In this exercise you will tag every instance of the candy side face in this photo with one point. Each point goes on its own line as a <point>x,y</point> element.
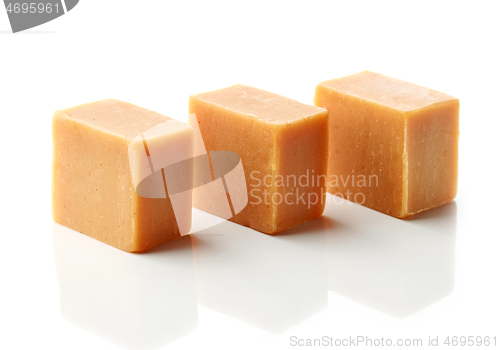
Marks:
<point>302,166</point>
<point>366,151</point>
<point>432,150</point>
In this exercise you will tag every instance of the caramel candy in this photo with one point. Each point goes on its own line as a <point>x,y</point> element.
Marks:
<point>393,145</point>
<point>93,187</point>
<point>280,142</point>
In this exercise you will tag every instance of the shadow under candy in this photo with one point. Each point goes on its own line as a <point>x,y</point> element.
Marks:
<point>398,267</point>
<point>137,301</point>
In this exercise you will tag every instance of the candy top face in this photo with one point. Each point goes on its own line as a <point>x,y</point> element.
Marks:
<point>259,104</point>
<point>116,117</point>
<point>393,93</point>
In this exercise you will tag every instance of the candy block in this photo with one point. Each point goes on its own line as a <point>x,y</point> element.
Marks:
<point>393,144</point>
<point>283,146</point>
<point>107,184</point>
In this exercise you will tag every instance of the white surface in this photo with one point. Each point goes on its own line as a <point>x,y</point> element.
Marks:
<point>353,272</point>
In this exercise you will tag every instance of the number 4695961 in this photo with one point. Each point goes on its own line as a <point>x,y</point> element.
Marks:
<point>470,341</point>
<point>32,7</point>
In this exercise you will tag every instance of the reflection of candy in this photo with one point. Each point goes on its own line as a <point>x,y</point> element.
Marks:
<point>25,15</point>
<point>134,301</point>
<point>161,170</point>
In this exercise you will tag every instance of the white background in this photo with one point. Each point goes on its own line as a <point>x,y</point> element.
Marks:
<point>355,272</point>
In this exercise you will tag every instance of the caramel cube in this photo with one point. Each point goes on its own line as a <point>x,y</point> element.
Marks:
<point>393,144</point>
<point>280,142</point>
<point>93,192</point>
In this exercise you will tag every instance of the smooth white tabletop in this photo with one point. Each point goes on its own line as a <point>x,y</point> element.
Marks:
<point>353,272</point>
